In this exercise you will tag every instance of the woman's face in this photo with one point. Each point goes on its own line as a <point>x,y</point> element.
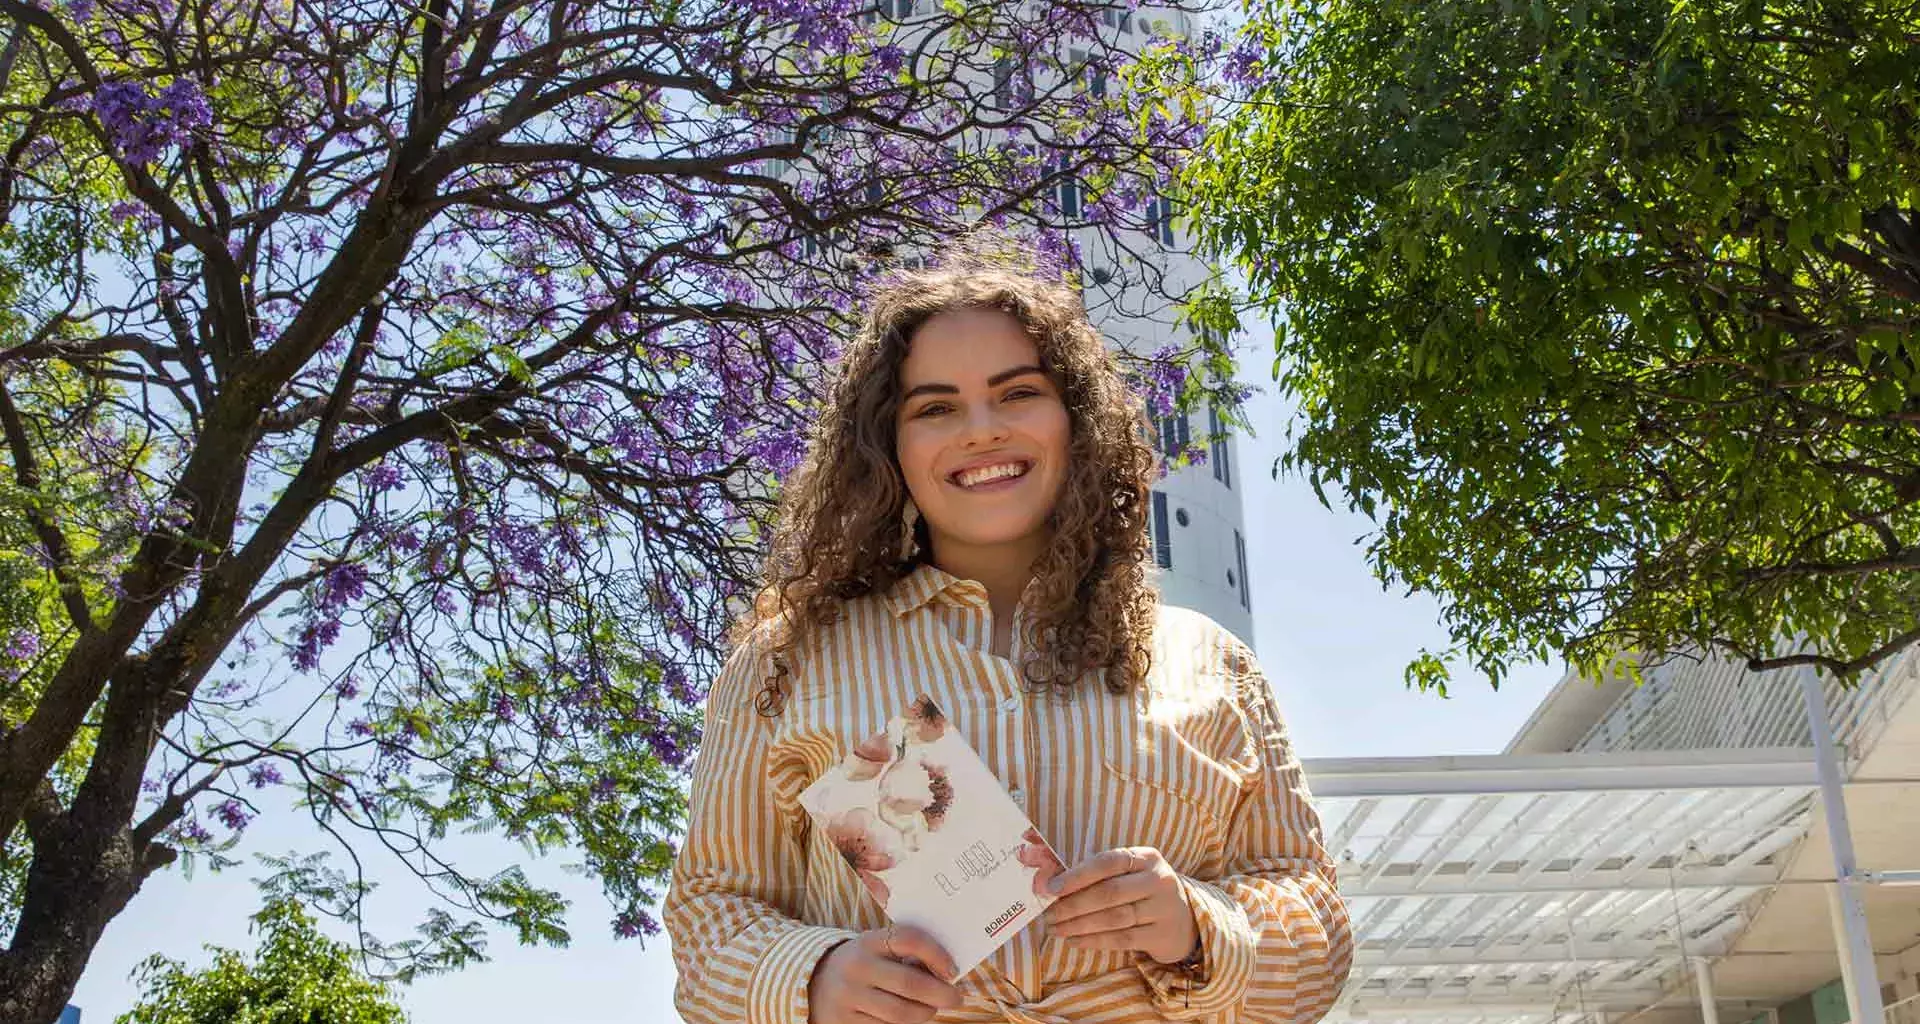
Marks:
<point>982,431</point>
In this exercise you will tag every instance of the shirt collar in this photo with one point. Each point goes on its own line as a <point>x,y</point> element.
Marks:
<point>923,584</point>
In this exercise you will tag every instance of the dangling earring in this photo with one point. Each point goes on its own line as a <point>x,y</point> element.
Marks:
<point>909,519</point>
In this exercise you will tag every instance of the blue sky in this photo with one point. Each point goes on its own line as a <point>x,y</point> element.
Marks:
<point>1330,638</point>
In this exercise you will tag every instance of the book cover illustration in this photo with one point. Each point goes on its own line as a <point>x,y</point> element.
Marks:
<point>934,836</point>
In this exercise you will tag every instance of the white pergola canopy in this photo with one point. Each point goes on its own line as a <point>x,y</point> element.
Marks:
<point>1540,889</point>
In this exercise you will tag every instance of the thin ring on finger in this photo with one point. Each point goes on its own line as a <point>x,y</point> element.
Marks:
<point>891,955</point>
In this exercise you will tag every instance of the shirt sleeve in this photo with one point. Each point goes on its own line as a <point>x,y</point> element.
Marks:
<point>739,950</point>
<point>1275,938</point>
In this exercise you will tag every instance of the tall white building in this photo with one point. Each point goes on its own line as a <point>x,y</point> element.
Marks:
<point>1199,534</point>
<point>1197,525</point>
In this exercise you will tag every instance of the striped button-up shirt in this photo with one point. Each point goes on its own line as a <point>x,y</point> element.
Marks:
<point>1196,764</point>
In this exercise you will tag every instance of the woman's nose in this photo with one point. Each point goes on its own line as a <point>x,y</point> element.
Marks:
<point>984,423</point>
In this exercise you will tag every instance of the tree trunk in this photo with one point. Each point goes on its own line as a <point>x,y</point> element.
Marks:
<point>81,878</point>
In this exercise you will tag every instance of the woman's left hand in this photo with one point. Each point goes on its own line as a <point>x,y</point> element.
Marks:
<point>1125,899</point>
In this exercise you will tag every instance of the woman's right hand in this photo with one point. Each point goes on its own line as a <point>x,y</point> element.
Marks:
<point>888,974</point>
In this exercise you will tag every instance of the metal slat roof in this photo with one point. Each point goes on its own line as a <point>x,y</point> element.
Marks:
<point>1539,888</point>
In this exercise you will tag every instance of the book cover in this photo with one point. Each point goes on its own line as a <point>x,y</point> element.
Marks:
<point>934,836</point>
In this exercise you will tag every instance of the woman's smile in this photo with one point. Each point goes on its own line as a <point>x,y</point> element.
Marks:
<point>990,477</point>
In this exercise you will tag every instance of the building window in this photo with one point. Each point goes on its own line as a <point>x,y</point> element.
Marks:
<point>1174,435</point>
<point>1094,78</point>
<point>1217,450</point>
<point>897,10</point>
<point>1071,208</point>
<point>1162,537</point>
<point>1118,17</point>
<point>1160,214</point>
<point>1240,559</point>
<point>1003,84</point>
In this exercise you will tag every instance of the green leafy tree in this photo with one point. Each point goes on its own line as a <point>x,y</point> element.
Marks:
<point>1604,313</point>
<point>298,976</point>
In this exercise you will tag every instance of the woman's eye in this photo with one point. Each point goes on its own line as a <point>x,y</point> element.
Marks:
<point>1023,393</point>
<point>930,409</point>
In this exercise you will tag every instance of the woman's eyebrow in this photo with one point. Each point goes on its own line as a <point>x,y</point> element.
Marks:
<point>1006,375</point>
<point>993,382</point>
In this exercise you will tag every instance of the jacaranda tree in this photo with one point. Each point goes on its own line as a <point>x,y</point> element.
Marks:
<point>391,394</point>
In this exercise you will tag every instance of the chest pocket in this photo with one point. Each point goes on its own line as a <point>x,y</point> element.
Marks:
<point>1168,794</point>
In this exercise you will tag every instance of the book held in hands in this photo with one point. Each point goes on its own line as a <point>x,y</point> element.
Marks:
<point>934,836</point>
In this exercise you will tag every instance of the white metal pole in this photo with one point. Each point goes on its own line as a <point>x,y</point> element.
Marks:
<point>1850,917</point>
<point>1849,981</point>
<point>1703,978</point>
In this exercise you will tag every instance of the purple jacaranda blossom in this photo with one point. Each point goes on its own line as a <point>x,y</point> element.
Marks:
<point>263,775</point>
<point>889,58</point>
<point>502,707</point>
<point>360,727</point>
<point>142,126</point>
<point>665,744</point>
<point>605,787</point>
<point>23,644</point>
<point>341,586</point>
<point>1165,378</point>
<point>384,477</point>
<point>191,833</point>
<point>129,211</point>
<point>314,638</point>
<point>347,689</point>
<point>82,10</point>
<point>779,450</point>
<point>1242,69</point>
<point>232,814</point>
<point>673,677</point>
<point>524,544</point>
<point>635,922</point>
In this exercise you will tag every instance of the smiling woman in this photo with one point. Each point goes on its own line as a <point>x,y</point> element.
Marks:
<point>969,528</point>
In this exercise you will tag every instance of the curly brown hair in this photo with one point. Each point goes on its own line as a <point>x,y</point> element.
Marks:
<point>838,535</point>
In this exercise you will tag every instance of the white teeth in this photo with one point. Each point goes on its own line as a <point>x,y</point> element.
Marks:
<point>988,474</point>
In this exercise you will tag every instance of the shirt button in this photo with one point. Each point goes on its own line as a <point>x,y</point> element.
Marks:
<point>1010,705</point>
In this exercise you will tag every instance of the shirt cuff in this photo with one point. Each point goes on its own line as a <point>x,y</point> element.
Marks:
<point>1229,947</point>
<point>777,991</point>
